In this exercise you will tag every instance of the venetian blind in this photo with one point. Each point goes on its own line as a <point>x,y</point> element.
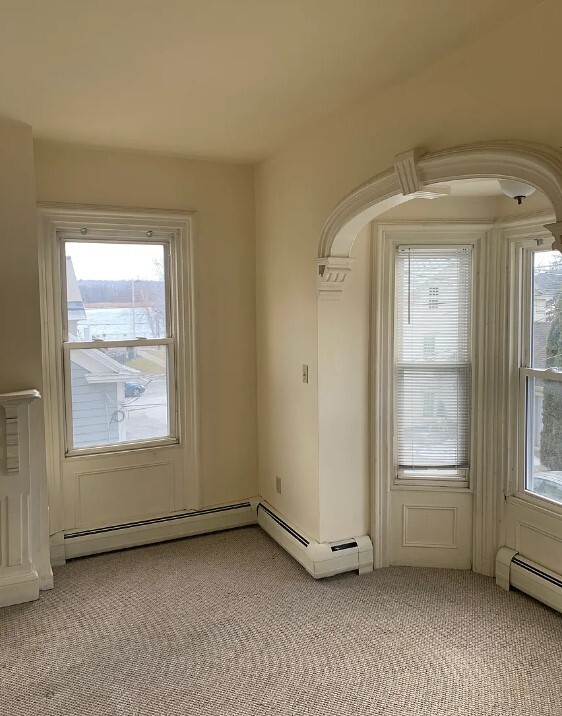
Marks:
<point>433,293</point>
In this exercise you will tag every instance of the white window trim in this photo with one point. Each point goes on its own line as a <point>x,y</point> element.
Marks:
<point>520,292</point>
<point>123,224</point>
<point>173,330</point>
<point>387,237</point>
<point>495,435</point>
<point>459,477</point>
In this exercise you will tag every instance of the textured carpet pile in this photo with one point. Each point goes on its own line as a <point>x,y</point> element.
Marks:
<point>229,624</point>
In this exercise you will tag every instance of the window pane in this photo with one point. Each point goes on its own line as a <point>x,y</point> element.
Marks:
<point>119,395</point>
<point>433,294</point>
<point>544,438</point>
<point>547,310</point>
<point>115,291</point>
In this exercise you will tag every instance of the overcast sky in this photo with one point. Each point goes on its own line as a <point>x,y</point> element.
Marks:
<point>546,258</point>
<point>113,262</point>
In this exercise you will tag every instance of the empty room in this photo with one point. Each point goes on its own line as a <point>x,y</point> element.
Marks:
<point>281,358</point>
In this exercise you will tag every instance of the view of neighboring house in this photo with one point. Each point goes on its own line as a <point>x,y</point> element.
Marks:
<point>98,381</point>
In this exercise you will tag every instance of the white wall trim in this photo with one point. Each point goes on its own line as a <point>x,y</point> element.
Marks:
<point>24,564</point>
<point>535,164</point>
<point>56,217</point>
<point>385,237</point>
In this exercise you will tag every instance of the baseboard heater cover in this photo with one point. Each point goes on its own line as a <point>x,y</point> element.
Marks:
<point>320,559</point>
<point>79,543</point>
<point>516,571</point>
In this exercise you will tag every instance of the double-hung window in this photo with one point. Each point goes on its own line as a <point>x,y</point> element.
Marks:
<point>433,361</point>
<point>118,340</point>
<point>541,374</point>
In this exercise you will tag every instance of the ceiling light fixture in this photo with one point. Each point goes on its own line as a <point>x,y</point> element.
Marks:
<point>516,189</point>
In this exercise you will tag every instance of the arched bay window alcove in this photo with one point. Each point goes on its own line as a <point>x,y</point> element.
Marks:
<point>353,489</point>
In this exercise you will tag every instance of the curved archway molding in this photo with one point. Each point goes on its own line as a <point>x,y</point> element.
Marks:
<point>412,177</point>
<point>353,501</point>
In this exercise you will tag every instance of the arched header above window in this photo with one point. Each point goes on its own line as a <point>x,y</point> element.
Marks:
<point>412,176</point>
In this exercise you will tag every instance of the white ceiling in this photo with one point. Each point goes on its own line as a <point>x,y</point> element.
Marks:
<point>472,187</point>
<point>215,78</point>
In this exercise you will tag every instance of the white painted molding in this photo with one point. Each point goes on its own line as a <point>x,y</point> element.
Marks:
<point>21,506</point>
<point>406,167</point>
<point>11,402</point>
<point>331,276</point>
<point>556,231</point>
<point>537,165</point>
<point>54,218</point>
<point>12,440</point>
<point>20,397</point>
<point>320,559</point>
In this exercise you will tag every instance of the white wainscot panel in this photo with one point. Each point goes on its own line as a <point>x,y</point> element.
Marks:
<point>431,529</point>
<point>539,546</point>
<point>118,495</point>
<point>429,526</point>
<point>535,532</point>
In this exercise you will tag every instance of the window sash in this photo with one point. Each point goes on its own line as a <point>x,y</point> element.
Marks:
<point>134,238</point>
<point>527,374</point>
<point>170,341</point>
<point>172,438</point>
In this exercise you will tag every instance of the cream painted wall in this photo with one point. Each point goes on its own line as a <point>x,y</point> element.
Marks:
<point>20,324</point>
<point>223,197</point>
<point>505,85</point>
<point>344,487</point>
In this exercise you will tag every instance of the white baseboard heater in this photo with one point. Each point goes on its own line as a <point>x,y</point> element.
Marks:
<point>516,571</point>
<point>80,543</point>
<point>319,559</point>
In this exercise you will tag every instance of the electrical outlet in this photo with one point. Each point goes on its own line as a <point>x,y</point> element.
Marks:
<point>304,373</point>
<point>278,485</point>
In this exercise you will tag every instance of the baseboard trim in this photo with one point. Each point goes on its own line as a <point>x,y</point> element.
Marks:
<point>79,543</point>
<point>319,559</point>
<point>19,588</point>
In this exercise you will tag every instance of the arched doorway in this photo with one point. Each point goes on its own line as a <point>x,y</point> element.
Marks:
<point>344,486</point>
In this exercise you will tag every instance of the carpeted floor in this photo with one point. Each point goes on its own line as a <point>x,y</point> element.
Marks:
<point>229,624</point>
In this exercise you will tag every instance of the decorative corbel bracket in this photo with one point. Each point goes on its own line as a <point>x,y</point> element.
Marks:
<point>332,272</point>
<point>411,185</point>
<point>406,167</point>
<point>556,230</point>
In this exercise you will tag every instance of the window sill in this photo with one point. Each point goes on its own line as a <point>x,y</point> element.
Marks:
<point>79,453</point>
<point>438,483</point>
<point>529,499</point>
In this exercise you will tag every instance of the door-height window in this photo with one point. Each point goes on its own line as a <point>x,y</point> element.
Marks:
<point>541,374</point>
<point>433,360</point>
<point>118,341</point>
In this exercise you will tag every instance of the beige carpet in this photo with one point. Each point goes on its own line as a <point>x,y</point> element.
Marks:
<point>229,624</point>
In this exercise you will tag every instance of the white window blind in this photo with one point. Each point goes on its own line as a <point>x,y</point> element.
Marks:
<point>433,294</point>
